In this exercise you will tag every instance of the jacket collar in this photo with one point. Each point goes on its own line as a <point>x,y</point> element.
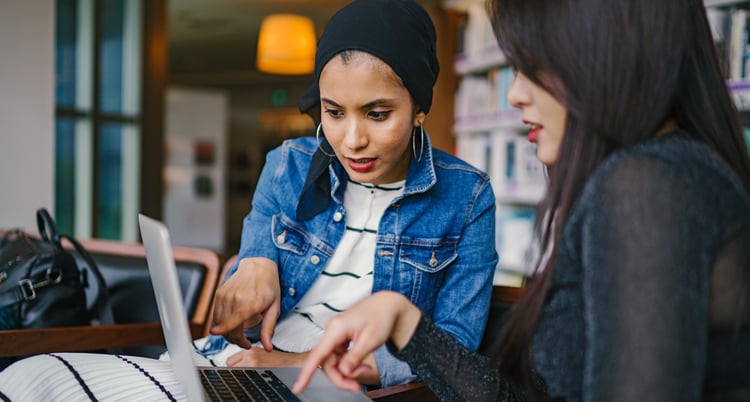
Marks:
<point>327,178</point>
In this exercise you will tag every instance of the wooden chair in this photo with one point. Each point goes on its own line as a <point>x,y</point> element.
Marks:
<point>136,330</point>
<point>23,342</point>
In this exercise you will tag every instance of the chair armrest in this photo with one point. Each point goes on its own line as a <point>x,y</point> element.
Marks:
<point>507,294</point>
<point>21,342</point>
<point>416,391</point>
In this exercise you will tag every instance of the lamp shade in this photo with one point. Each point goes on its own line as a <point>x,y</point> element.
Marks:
<point>286,44</point>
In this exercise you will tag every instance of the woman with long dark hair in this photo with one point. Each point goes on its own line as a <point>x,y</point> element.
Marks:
<point>642,288</point>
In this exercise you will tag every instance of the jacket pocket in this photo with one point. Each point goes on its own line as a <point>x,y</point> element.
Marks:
<point>288,236</point>
<point>429,257</point>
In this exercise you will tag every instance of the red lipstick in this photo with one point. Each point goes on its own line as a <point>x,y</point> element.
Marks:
<point>534,131</point>
<point>362,165</point>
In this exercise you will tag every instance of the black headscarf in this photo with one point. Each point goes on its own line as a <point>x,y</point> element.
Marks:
<point>399,32</point>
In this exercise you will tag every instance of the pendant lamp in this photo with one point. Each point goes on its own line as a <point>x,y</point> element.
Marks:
<point>286,44</point>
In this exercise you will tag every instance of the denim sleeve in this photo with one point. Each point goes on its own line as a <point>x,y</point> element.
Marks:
<point>392,370</point>
<point>463,301</point>
<point>256,238</point>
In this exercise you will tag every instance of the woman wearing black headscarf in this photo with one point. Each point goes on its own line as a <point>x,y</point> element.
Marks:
<point>366,205</point>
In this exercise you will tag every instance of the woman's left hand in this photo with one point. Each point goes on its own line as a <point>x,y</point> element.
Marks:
<point>365,327</point>
<point>258,357</point>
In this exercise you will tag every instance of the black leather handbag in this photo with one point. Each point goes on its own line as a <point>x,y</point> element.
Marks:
<point>41,285</point>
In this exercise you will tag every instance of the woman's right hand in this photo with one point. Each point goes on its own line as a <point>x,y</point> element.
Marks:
<point>251,295</point>
<point>353,334</point>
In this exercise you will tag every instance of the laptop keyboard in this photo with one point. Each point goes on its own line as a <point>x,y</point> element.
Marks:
<point>245,385</point>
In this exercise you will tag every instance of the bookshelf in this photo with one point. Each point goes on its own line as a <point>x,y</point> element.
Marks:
<point>487,58</point>
<point>489,135</point>
<point>730,26</point>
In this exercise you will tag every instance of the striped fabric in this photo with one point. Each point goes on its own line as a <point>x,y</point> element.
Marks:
<point>89,377</point>
<point>347,278</point>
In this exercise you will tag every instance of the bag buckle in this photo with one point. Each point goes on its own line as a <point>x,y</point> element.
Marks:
<point>28,289</point>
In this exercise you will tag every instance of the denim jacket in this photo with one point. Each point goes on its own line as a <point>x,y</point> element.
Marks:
<point>435,243</point>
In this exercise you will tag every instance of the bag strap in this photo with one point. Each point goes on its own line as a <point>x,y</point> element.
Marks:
<point>26,288</point>
<point>102,304</point>
<point>47,228</point>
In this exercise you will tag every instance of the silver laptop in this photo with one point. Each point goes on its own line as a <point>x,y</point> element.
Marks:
<point>216,383</point>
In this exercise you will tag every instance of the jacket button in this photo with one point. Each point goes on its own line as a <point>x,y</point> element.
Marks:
<point>315,260</point>
<point>292,292</point>
<point>433,262</point>
<point>281,238</point>
<point>337,217</point>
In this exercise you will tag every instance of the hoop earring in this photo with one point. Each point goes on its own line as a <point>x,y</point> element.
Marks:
<point>414,143</point>
<point>317,137</point>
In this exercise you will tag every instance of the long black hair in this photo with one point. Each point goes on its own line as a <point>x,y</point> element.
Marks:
<point>621,69</point>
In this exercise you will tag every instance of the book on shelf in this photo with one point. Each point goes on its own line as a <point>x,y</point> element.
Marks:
<point>508,278</point>
<point>731,33</point>
<point>740,91</point>
<point>516,173</point>
<point>475,149</point>
<point>461,24</point>
<point>738,44</point>
<point>482,95</point>
<point>529,171</point>
<point>505,82</point>
<point>476,38</point>
<point>475,96</point>
<point>514,238</point>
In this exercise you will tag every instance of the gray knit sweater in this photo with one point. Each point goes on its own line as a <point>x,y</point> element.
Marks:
<point>650,298</point>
